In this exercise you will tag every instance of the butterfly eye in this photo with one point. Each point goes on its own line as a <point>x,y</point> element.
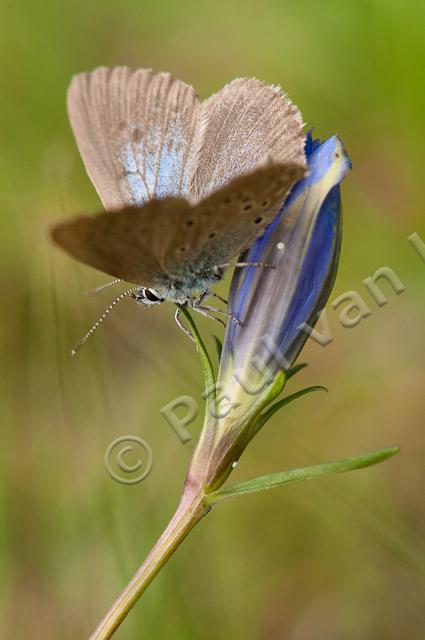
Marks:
<point>151,296</point>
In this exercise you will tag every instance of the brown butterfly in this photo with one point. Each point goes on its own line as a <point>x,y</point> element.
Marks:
<point>187,185</point>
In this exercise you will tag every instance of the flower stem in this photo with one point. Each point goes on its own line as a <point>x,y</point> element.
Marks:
<point>190,511</point>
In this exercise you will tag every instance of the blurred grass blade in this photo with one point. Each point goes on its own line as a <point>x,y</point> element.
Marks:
<point>273,480</point>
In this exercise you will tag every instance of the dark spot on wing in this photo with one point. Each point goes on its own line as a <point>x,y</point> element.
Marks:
<point>137,134</point>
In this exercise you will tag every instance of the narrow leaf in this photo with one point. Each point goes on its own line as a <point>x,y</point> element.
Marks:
<point>206,363</point>
<point>281,403</point>
<point>304,473</point>
<point>218,346</point>
<point>295,369</point>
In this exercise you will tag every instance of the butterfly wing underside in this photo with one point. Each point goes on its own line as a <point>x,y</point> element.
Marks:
<point>187,185</point>
<point>171,237</point>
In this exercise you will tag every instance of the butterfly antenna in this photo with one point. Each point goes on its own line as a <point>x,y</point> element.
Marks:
<point>102,318</point>
<point>94,292</point>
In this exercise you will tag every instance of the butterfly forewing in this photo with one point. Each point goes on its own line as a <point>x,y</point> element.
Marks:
<point>144,135</point>
<point>171,237</point>
<point>227,222</point>
<point>188,185</point>
<point>123,243</point>
<point>135,131</point>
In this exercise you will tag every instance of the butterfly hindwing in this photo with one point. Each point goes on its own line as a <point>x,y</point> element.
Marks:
<point>246,122</point>
<point>144,135</point>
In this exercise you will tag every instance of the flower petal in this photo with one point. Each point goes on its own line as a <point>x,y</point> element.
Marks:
<point>302,244</point>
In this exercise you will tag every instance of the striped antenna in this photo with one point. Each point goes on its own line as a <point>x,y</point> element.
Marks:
<point>102,318</point>
<point>94,292</point>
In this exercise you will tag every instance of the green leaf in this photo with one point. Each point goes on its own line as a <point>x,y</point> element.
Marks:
<point>294,370</point>
<point>264,417</point>
<point>218,346</point>
<point>270,394</point>
<point>304,473</point>
<point>207,367</point>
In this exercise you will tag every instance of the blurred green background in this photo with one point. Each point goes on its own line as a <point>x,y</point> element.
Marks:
<point>342,557</point>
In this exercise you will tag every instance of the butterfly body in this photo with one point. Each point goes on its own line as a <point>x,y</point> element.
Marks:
<point>187,185</point>
<point>189,291</point>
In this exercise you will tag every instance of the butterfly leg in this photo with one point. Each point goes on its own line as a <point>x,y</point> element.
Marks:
<point>177,318</point>
<point>205,311</point>
<point>207,294</point>
<point>216,310</point>
<point>266,265</point>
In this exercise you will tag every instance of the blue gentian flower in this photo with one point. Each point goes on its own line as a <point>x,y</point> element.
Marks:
<point>275,303</point>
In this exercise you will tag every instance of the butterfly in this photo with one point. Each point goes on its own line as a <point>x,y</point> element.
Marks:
<point>186,185</point>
